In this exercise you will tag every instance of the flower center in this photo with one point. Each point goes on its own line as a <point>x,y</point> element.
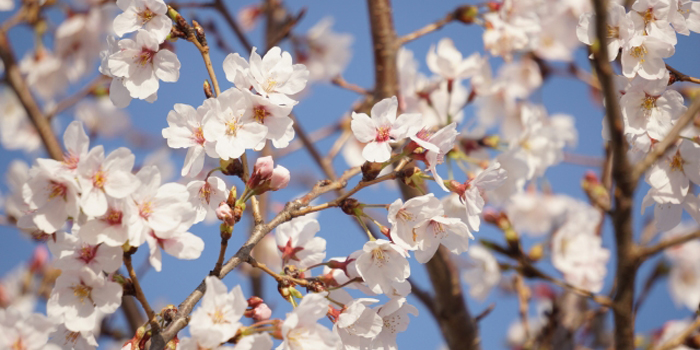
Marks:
<point>260,113</point>
<point>72,337</point>
<point>87,253</point>
<point>146,209</point>
<point>232,127</point>
<point>98,179</point>
<point>639,52</point>
<point>205,192</point>
<point>648,16</point>
<point>18,345</point>
<point>145,57</point>
<point>438,228</point>
<point>218,317</point>
<point>649,103</point>
<point>82,292</point>
<point>383,134</point>
<point>57,189</point>
<point>613,32</point>
<point>113,217</point>
<point>198,136</point>
<point>146,15</point>
<point>405,215</point>
<point>677,163</point>
<point>379,257</point>
<point>270,85</point>
<point>70,161</point>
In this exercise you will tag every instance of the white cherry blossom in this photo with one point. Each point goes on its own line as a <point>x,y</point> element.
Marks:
<point>301,330</point>
<point>447,62</point>
<point>643,55</point>
<point>52,197</point>
<point>24,331</point>
<point>275,77</point>
<point>115,227</point>
<point>328,52</point>
<point>16,130</point>
<point>296,242</point>
<point>274,117</point>
<point>216,320</point>
<point>72,253</point>
<point>205,196</point>
<point>100,177</point>
<point>358,324</point>
<point>185,130</point>
<point>148,14</point>
<point>651,18</point>
<point>649,107</point>
<point>395,318</point>
<point>383,128</point>
<point>405,217</point>
<point>483,272</point>
<point>141,63</point>
<point>472,192</point>
<point>381,264</point>
<point>80,295</point>
<point>684,15</point>
<point>182,245</point>
<point>620,29</point>
<point>453,233</point>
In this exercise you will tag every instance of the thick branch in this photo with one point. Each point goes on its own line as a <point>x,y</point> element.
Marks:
<point>16,82</point>
<point>625,184</point>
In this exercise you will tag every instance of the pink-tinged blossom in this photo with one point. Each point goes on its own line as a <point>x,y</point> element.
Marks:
<point>141,63</point>
<point>115,227</point>
<point>296,242</point>
<point>472,192</point>
<point>483,272</point>
<point>275,77</point>
<point>160,207</point>
<point>275,117</point>
<point>650,17</point>
<point>684,15</point>
<point>301,330</point>
<point>327,52</point>
<point>620,29</point>
<point>383,129</point>
<point>46,73</point>
<point>72,253</point>
<point>649,107</point>
<point>101,177</point>
<point>381,264</point>
<point>205,196</point>
<point>150,15</point>
<point>644,55</point>
<point>79,296</point>
<point>447,62</point>
<point>450,232</point>
<point>24,331</point>
<point>230,125</point>
<point>7,5</point>
<point>671,175</point>
<point>118,93</point>
<point>182,245</point>
<point>405,217</point>
<point>577,250</point>
<point>395,319</point>
<point>217,318</point>
<point>667,214</point>
<point>358,324</point>
<point>78,40</point>
<point>237,70</point>
<point>52,197</point>
<point>435,146</point>
<point>77,144</point>
<point>67,339</point>
<point>185,130</point>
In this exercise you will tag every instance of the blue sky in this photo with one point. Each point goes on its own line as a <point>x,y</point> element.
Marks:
<point>322,106</point>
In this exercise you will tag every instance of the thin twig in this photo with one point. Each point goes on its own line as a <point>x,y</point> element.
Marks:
<point>647,252</point>
<point>682,77</point>
<point>139,293</point>
<point>219,6</point>
<point>222,255</point>
<point>339,81</point>
<point>427,29</point>
<point>276,276</point>
<point>523,299</point>
<point>77,97</point>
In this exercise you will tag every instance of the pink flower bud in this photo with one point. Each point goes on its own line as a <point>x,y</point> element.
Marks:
<point>224,212</point>
<point>262,313</point>
<point>262,171</point>
<point>280,178</point>
<point>39,259</point>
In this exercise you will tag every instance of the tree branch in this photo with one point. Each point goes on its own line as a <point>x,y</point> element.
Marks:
<point>626,270</point>
<point>437,25</point>
<point>139,293</point>
<point>647,252</point>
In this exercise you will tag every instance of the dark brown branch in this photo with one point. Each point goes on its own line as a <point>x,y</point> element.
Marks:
<point>424,297</point>
<point>219,6</point>
<point>627,264</point>
<point>16,82</point>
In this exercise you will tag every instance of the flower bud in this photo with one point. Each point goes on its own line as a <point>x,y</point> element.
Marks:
<point>225,213</point>
<point>536,252</point>
<point>207,89</point>
<point>231,167</point>
<point>371,170</point>
<point>280,178</point>
<point>262,313</point>
<point>466,14</point>
<point>348,206</point>
<point>169,312</point>
<point>39,259</point>
<point>255,301</point>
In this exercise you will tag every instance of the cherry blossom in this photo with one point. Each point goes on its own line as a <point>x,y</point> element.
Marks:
<point>53,198</point>
<point>328,52</point>
<point>16,130</point>
<point>405,217</point>
<point>301,329</point>
<point>205,196</point>
<point>275,77</point>
<point>72,253</point>
<point>100,177</point>
<point>381,264</point>
<point>684,15</point>
<point>435,146</point>
<point>230,125</point>
<point>648,107</point>
<point>395,318</point>
<point>447,61</point>
<point>472,192</point>
<point>296,242</point>
<point>274,117</point>
<point>620,29</point>
<point>21,331</point>
<point>101,117</point>
<point>265,178</point>
<point>483,272</point>
<point>115,227</point>
<point>182,245</point>
<point>141,63</point>
<point>46,73</point>
<point>453,233</point>
<point>651,18</point>
<point>670,176</point>
<point>216,320</point>
<point>80,295</point>
<point>357,324</point>
<point>383,128</point>
<point>148,14</point>
<point>644,55</point>
<point>185,130</point>
<point>67,339</point>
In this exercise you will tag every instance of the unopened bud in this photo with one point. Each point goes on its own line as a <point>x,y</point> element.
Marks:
<point>169,312</point>
<point>226,231</point>
<point>385,231</point>
<point>490,141</point>
<point>39,258</point>
<point>349,206</point>
<point>412,177</point>
<point>231,167</point>
<point>371,170</point>
<point>207,90</point>
<point>536,252</point>
<point>595,191</point>
<point>280,178</point>
<point>466,14</point>
<point>225,213</point>
<point>262,313</point>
